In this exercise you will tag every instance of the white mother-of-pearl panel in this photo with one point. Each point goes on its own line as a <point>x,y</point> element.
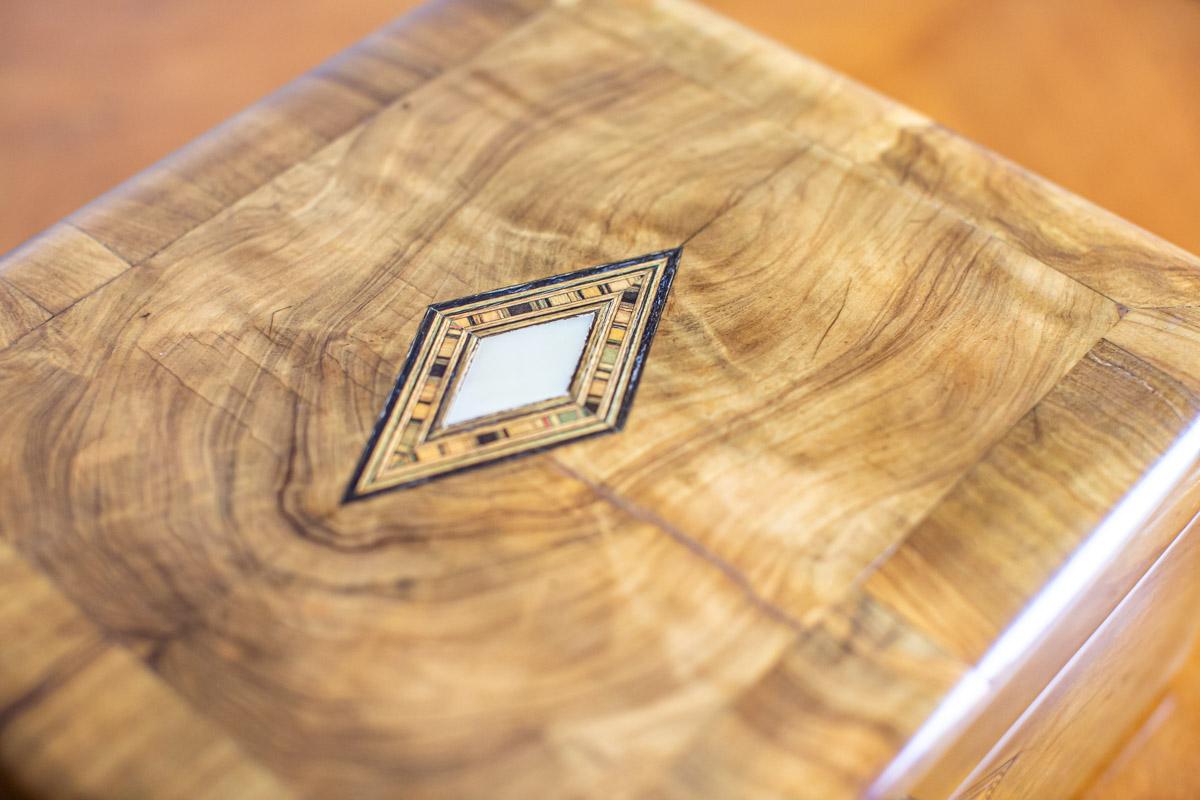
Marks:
<point>519,367</point>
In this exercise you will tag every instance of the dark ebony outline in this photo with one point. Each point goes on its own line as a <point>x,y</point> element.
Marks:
<point>639,361</point>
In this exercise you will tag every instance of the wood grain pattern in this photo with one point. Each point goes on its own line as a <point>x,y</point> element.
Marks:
<point>811,529</point>
<point>166,201</point>
<point>1060,229</point>
<point>1154,761</point>
<point>49,275</point>
<point>1043,493</point>
<point>82,717</point>
<point>1067,90</point>
<point>94,94</point>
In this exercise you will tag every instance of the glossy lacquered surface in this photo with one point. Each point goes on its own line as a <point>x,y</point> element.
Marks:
<point>916,432</point>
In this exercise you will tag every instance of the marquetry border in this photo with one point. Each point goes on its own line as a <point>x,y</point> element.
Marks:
<point>410,446</point>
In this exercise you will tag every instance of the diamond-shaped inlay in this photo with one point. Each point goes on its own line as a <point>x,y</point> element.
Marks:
<point>516,370</point>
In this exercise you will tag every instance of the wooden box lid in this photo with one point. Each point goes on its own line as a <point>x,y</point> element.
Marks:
<point>898,387</point>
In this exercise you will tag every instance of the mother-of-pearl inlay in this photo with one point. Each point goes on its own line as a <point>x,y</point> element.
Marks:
<point>516,370</point>
<point>519,367</point>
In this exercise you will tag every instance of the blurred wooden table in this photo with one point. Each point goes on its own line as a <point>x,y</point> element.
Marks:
<point>1098,97</point>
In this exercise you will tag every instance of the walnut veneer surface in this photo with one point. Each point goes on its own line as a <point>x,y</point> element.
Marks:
<point>899,384</point>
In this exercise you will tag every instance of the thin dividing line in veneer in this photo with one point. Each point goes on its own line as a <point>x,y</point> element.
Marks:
<point>12,287</point>
<point>55,315</point>
<point>689,543</point>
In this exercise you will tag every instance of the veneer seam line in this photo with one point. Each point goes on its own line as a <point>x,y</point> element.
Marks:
<point>75,227</point>
<point>17,289</point>
<point>688,542</point>
<point>60,672</point>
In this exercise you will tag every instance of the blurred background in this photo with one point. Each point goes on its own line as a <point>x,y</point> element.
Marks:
<point>1101,96</point>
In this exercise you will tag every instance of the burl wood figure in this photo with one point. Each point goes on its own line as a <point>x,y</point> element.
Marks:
<point>872,470</point>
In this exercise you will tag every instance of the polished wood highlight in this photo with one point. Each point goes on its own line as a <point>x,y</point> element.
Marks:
<point>1083,716</point>
<point>900,389</point>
